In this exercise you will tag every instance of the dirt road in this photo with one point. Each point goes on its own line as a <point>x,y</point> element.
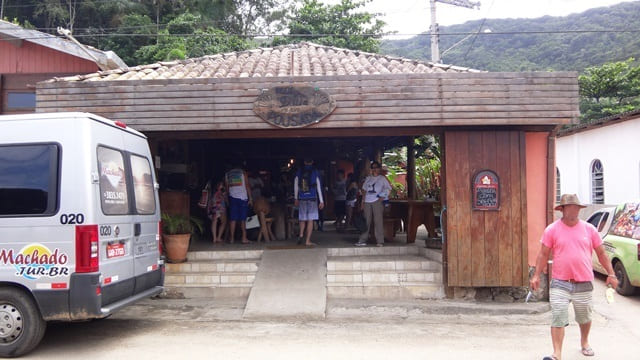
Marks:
<point>166,329</point>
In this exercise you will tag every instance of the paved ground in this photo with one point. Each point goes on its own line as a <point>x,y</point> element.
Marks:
<point>164,329</point>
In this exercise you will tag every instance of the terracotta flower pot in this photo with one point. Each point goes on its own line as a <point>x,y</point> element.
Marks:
<point>176,247</point>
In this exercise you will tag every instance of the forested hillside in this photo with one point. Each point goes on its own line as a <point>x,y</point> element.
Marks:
<point>574,42</point>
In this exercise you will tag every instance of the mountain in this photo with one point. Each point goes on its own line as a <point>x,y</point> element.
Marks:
<point>572,42</point>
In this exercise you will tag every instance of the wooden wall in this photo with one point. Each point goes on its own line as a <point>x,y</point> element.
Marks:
<point>30,58</point>
<point>486,248</point>
<point>21,83</point>
<point>372,101</point>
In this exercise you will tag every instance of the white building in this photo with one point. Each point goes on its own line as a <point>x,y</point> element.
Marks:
<point>600,161</point>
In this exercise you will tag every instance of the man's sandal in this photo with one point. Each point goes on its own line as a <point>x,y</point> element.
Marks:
<point>550,357</point>
<point>588,351</point>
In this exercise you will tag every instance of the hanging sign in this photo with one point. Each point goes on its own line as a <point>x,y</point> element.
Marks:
<point>486,191</point>
<point>293,106</point>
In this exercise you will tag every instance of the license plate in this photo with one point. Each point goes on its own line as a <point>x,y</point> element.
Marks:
<point>115,250</point>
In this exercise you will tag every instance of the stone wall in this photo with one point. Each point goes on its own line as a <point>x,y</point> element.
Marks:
<point>504,294</point>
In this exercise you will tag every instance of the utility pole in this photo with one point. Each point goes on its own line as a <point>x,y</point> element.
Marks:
<point>435,51</point>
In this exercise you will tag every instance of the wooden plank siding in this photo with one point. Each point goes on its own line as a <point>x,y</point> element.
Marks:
<point>485,248</point>
<point>371,101</point>
<point>30,58</point>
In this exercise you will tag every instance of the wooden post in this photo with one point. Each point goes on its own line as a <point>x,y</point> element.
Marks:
<point>551,175</point>
<point>378,152</point>
<point>411,170</point>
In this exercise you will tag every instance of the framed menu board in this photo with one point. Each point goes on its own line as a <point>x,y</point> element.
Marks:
<point>486,191</point>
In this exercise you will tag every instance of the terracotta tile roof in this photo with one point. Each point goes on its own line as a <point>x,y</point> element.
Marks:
<point>302,59</point>
<point>597,123</point>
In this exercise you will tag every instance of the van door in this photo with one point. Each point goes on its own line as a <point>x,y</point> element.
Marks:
<point>114,221</point>
<point>146,214</point>
<point>146,239</point>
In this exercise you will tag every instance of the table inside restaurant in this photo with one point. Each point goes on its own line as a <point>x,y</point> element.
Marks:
<point>413,214</point>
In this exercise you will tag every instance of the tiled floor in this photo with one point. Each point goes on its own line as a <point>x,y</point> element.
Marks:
<point>328,238</point>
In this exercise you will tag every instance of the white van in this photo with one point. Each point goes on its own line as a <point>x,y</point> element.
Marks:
<point>79,223</point>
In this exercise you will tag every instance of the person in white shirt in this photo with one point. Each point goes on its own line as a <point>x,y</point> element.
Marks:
<point>376,188</point>
<point>239,200</point>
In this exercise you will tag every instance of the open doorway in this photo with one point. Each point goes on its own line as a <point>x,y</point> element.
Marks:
<point>185,167</point>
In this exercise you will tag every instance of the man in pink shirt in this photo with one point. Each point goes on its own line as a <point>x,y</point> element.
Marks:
<point>571,241</point>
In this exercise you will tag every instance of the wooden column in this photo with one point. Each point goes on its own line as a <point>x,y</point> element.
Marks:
<point>551,175</point>
<point>377,152</point>
<point>2,95</point>
<point>411,170</point>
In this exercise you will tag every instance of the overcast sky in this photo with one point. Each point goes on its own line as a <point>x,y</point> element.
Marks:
<point>410,17</point>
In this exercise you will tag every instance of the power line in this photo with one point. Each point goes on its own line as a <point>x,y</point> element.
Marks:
<point>480,28</point>
<point>35,3</point>
<point>492,33</point>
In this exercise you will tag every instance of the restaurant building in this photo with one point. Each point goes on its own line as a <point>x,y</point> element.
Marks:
<point>272,105</point>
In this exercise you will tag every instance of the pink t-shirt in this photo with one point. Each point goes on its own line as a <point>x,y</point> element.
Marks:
<point>572,247</point>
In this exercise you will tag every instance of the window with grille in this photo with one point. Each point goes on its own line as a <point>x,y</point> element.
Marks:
<point>558,190</point>
<point>597,182</point>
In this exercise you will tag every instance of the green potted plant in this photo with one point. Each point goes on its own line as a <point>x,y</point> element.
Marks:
<point>176,233</point>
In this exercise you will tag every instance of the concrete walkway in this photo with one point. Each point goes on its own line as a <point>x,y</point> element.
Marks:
<point>290,284</point>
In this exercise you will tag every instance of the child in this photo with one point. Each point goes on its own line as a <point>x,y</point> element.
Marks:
<point>218,211</point>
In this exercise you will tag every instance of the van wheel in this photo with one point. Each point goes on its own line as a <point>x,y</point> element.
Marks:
<point>21,326</point>
<point>624,286</point>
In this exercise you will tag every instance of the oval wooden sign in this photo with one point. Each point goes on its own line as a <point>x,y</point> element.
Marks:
<point>293,106</point>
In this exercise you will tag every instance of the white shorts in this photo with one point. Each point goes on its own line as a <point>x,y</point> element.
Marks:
<point>308,210</point>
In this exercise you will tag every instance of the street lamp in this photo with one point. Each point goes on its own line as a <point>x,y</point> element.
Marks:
<point>486,31</point>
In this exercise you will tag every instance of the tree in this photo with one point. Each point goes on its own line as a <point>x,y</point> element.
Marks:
<point>609,89</point>
<point>52,13</point>
<point>245,17</point>
<point>184,37</point>
<point>138,31</point>
<point>427,167</point>
<point>338,25</point>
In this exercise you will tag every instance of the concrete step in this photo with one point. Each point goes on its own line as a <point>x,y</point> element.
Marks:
<point>369,291</point>
<point>431,254</point>
<point>381,262</point>
<point>384,278</point>
<point>213,274</point>
<point>409,272</point>
<point>374,250</point>
<point>215,265</point>
<point>222,254</point>
<point>212,292</point>
<point>209,278</point>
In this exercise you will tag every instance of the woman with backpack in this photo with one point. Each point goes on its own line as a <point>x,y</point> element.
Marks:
<point>307,192</point>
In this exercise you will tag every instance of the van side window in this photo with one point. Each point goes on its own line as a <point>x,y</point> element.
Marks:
<point>29,179</point>
<point>143,185</point>
<point>113,184</point>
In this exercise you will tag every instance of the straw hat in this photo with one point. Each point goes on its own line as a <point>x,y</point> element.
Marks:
<point>569,199</point>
